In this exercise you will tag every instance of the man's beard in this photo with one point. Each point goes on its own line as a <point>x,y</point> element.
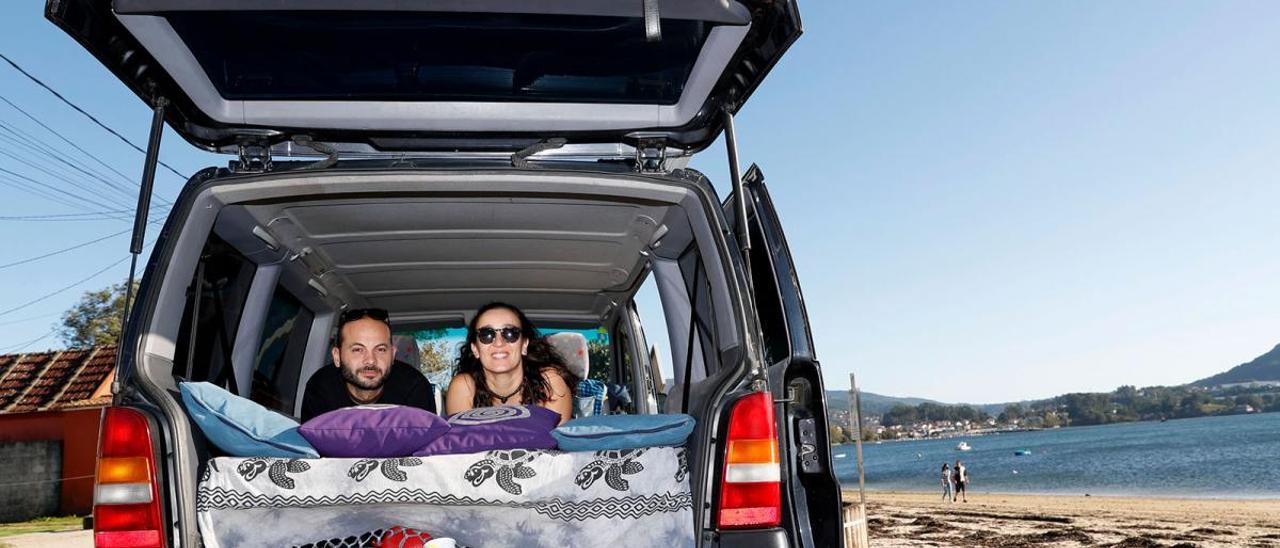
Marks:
<point>352,376</point>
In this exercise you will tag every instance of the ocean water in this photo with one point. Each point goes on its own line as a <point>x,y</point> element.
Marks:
<point>1209,457</point>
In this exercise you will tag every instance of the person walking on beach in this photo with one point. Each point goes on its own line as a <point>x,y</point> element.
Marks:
<point>947,494</point>
<point>962,480</point>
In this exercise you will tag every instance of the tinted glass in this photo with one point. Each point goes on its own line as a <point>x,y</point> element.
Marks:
<point>278,363</point>
<point>433,57</point>
<point>215,299</point>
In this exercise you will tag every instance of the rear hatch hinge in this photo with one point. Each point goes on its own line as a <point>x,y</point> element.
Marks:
<point>254,158</point>
<point>651,156</point>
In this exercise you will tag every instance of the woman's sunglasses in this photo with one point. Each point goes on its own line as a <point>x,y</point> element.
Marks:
<point>486,335</point>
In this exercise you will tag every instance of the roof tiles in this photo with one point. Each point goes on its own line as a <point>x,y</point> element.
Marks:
<point>54,380</point>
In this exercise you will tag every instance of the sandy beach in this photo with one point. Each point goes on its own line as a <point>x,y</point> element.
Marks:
<point>897,519</point>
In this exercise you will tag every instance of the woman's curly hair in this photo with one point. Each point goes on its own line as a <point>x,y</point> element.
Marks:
<point>541,356</point>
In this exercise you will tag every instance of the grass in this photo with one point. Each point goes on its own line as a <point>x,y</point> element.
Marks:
<point>41,525</point>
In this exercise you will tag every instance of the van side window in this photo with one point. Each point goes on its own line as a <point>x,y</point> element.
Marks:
<point>216,295</point>
<point>703,312</point>
<point>773,322</point>
<point>278,363</point>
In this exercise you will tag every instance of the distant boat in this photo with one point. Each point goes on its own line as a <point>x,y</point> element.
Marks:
<point>1022,452</point>
<point>842,455</point>
<point>962,446</point>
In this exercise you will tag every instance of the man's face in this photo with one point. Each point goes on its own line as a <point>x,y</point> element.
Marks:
<point>366,353</point>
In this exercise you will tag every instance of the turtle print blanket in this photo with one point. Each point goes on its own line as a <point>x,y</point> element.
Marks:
<point>617,498</point>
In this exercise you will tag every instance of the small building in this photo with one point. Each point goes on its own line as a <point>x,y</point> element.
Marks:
<point>50,409</point>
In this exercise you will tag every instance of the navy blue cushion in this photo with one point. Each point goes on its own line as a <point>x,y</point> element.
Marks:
<point>623,432</point>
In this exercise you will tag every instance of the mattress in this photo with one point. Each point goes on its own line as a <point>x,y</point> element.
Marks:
<point>616,498</point>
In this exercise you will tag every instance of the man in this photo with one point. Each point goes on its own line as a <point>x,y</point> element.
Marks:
<point>962,482</point>
<point>364,369</point>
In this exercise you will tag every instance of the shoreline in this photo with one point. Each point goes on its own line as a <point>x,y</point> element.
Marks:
<point>911,519</point>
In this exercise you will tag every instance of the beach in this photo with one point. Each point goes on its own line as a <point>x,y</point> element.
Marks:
<point>902,519</point>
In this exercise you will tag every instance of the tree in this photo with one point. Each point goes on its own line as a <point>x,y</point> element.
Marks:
<point>95,319</point>
<point>435,354</point>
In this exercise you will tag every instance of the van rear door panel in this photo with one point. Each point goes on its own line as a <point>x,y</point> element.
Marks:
<point>795,376</point>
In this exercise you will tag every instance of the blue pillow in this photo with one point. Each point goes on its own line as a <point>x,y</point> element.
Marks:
<point>240,426</point>
<point>623,432</point>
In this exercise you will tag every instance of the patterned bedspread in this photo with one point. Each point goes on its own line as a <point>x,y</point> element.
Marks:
<point>613,499</point>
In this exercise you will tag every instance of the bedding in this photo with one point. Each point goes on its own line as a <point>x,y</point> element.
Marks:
<point>516,497</point>
<point>373,430</point>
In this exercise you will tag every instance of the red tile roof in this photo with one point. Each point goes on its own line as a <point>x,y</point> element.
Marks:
<point>54,380</point>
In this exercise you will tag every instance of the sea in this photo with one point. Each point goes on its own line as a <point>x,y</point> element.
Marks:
<point>1234,456</point>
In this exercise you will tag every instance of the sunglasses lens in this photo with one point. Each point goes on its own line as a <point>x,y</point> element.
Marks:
<point>487,335</point>
<point>511,334</point>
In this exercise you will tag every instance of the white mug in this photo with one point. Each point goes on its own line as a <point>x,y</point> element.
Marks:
<point>441,543</point>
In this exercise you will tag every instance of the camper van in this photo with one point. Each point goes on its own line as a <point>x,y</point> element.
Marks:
<point>428,158</point>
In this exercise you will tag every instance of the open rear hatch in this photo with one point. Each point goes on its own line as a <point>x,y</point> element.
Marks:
<point>389,76</point>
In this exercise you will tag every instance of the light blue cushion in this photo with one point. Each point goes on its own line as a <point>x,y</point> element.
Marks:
<point>623,432</point>
<point>240,426</point>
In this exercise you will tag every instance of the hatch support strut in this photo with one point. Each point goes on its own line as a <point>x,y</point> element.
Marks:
<point>140,215</point>
<point>739,192</point>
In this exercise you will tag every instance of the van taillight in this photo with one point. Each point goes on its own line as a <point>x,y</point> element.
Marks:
<point>751,489</point>
<point>126,503</point>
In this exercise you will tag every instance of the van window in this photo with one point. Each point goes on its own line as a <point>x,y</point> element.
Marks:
<point>216,294</point>
<point>380,56</point>
<point>281,346</point>
<point>773,321</point>
<point>437,352</point>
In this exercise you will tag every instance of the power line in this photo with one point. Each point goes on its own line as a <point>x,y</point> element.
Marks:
<point>86,114</point>
<point>30,318</point>
<point>63,250</point>
<point>63,289</point>
<point>72,248</point>
<point>46,194</point>
<point>46,151</point>
<point>50,187</point>
<point>114,200</point>
<point>23,345</point>
<point>15,130</point>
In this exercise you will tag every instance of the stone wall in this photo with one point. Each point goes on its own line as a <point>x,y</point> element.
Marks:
<point>29,474</point>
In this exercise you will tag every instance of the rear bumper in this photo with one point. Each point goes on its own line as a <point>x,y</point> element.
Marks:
<point>763,538</point>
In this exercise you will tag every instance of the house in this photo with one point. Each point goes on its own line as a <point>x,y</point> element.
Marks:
<point>50,408</point>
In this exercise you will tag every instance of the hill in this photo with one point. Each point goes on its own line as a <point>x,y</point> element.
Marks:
<point>1263,368</point>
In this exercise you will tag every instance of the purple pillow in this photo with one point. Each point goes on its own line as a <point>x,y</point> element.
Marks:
<point>498,427</point>
<point>376,431</point>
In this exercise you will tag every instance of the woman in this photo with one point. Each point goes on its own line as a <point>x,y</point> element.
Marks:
<point>947,493</point>
<point>505,361</point>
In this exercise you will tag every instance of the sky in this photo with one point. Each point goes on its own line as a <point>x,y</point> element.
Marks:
<point>986,201</point>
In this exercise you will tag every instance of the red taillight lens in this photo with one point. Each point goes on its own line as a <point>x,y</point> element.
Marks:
<point>751,488</point>
<point>126,505</point>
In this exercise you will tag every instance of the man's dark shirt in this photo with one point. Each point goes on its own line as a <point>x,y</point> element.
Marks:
<point>327,390</point>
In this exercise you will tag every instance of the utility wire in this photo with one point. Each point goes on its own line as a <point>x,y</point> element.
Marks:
<point>23,345</point>
<point>63,289</point>
<point>90,202</point>
<point>41,192</point>
<point>82,111</point>
<point>72,248</point>
<point>15,130</point>
<point>115,200</point>
<point>31,318</point>
<point>59,157</point>
<point>63,250</point>
<point>105,215</point>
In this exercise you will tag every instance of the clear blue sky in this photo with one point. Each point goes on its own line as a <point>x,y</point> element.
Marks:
<point>986,201</point>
